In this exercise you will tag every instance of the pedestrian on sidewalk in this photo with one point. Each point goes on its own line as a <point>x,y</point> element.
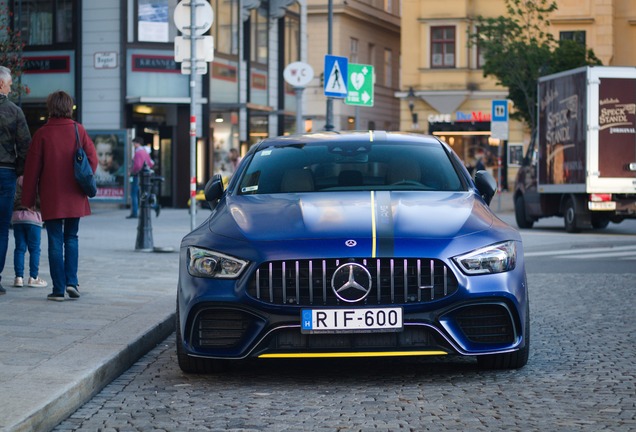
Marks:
<point>27,232</point>
<point>140,157</point>
<point>15,139</point>
<point>49,171</point>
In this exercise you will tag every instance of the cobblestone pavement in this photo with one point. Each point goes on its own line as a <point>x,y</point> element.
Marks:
<point>580,377</point>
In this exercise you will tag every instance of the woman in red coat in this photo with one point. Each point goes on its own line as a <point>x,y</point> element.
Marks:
<point>49,171</point>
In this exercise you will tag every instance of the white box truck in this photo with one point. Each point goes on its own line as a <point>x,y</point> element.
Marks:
<point>581,164</point>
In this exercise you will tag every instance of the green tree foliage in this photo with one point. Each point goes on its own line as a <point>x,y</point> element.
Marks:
<point>518,49</point>
<point>11,46</point>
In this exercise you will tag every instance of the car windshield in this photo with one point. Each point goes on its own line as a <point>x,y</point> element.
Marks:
<point>350,166</point>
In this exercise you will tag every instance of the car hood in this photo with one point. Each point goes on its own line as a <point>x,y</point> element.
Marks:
<point>350,215</point>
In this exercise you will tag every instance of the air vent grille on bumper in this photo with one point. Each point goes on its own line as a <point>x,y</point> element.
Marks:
<point>486,324</point>
<point>220,328</point>
<point>291,340</point>
<point>394,281</point>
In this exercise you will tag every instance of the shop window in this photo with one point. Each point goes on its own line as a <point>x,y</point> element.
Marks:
<point>44,22</point>
<point>225,28</point>
<point>259,35</point>
<point>292,34</point>
<point>443,47</point>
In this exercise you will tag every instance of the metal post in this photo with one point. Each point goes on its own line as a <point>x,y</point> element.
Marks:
<point>144,241</point>
<point>299,109</point>
<point>193,118</point>
<point>329,117</point>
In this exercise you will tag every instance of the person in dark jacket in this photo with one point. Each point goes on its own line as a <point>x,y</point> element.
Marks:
<point>49,172</point>
<point>14,144</point>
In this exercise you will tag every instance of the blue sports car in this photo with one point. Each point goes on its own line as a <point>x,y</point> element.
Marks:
<point>352,244</point>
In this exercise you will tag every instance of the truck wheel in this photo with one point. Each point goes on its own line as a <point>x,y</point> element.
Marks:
<point>569,216</point>
<point>600,222</point>
<point>520,213</point>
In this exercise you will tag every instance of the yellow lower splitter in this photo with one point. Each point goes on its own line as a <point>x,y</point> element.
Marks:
<point>354,354</point>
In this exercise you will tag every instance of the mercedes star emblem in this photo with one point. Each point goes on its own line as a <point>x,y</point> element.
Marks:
<point>351,282</point>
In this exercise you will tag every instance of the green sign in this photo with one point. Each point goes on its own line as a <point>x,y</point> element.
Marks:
<point>360,85</point>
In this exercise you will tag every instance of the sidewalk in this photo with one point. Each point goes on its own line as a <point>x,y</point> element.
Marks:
<point>56,356</point>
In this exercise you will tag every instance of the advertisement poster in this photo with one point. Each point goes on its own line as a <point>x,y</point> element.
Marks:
<point>153,21</point>
<point>111,173</point>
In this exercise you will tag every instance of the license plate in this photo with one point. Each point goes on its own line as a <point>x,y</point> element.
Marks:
<point>351,320</point>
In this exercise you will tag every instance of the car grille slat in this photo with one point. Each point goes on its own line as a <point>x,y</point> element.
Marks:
<point>394,281</point>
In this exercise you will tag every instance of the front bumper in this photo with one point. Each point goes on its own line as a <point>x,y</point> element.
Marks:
<point>227,331</point>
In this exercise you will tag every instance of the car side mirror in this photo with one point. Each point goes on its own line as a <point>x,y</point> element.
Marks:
<point>486,185</point>
<point>213,190</point>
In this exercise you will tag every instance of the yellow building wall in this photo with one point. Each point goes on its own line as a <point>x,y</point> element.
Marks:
<point>610,27</point>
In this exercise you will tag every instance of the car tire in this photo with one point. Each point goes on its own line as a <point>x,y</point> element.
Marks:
<point>569,216</point>
<point>520,213</point>
<point>194,365</point>
<point>512,360</point>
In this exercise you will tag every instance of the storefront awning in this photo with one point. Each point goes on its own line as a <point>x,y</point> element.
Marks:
<point>163,100</point>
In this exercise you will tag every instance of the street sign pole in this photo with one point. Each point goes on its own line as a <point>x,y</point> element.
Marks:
<point>329,114</point>
<point>499,128</point>
<point>299,110</point>
<point>188,24</point>
<point>298,75</point>
<point>193,115</point>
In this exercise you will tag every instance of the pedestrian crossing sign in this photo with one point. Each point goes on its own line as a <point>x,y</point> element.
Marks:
<point>336,76</point>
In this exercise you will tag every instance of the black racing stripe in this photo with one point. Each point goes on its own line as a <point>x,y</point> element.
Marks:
<point>384,224</point>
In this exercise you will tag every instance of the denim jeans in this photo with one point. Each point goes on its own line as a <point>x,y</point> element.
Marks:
<point>7,193</point>
<point>27,236</point>
<point>63,252</point>
<point>134,196</point>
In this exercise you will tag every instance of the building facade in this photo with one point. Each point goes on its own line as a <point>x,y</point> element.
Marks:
<point>117,59</point>
<point>365,32</point>
<point>443,91</point>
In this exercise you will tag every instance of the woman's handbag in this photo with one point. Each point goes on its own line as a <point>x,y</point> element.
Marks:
<point>83,172</point>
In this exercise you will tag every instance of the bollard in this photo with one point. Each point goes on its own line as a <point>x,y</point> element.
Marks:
<point>148,183</point>
<point>144,225</point>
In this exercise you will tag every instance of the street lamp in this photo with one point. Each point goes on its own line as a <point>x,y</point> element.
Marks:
<point>410,97</point>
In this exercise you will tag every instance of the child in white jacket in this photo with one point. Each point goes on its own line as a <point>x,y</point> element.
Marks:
<point>27,232</point>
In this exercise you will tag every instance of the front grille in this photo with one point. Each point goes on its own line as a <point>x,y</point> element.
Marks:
<point>394,281</point>
<point>412,337</point>
<point>489,323</point>
<point>217,328</point>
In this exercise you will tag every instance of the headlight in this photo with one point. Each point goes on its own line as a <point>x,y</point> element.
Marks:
<point>496,258</point>
<point>211,264</point>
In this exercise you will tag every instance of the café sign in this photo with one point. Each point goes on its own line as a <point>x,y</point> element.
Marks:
<point>460,116</point>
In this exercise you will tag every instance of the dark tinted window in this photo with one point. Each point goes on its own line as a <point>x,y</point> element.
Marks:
<point>345,166</point>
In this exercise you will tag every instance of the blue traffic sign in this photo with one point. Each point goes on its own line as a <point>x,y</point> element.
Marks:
<point>336,76</point>
<point>499,111</point>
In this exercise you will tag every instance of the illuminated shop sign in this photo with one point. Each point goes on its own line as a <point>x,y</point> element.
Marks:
<point>460,116</point>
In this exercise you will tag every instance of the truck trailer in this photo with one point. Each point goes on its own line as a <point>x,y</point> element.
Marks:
<point>581,162</point>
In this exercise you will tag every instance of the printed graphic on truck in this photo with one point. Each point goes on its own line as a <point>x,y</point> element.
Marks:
<point>562,146</point>
<point>617,126</point>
